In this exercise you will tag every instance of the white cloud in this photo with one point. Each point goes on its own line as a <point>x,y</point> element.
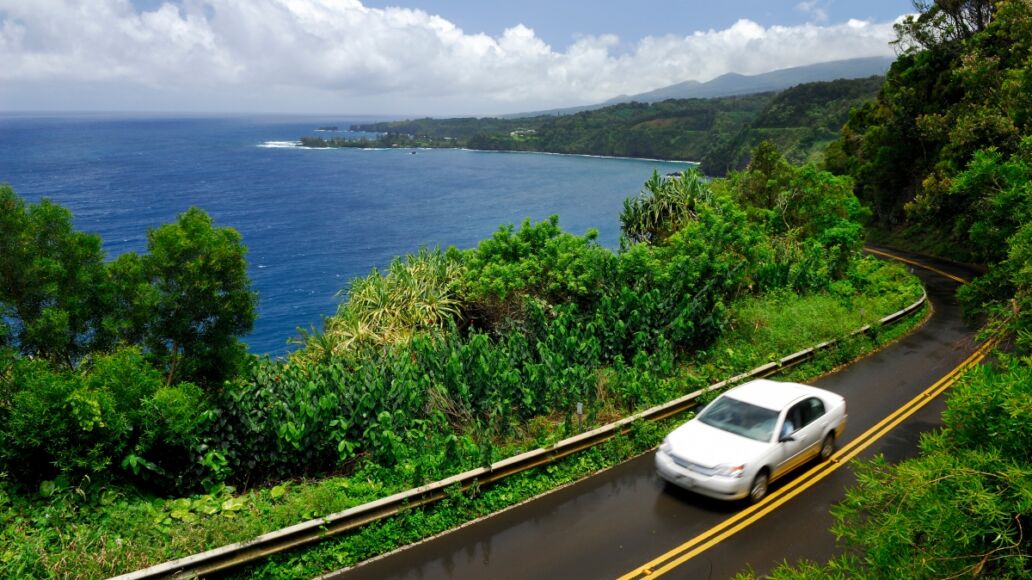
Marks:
<point>346,53</point>
<point>815,9</point>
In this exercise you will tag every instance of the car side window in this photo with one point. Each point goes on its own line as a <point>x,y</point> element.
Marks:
<point>793,420</point>
<point>811,409</point>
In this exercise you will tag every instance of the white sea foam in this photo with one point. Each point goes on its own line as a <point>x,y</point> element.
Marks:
<point>281,145</point>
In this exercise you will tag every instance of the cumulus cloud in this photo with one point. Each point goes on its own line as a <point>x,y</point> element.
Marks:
<point>343,48</point>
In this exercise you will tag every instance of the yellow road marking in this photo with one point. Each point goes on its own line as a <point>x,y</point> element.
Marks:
<point>746,517</point>
<point>918,264</point>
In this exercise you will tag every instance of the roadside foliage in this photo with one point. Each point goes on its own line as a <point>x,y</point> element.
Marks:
<point>124,380</point>
<point>944,159</point>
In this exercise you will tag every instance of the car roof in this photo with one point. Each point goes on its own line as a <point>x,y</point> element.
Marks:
<point>776,395</point>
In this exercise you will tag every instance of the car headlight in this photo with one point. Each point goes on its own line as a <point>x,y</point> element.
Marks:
<point>665,446</point>
<point>732,471</point>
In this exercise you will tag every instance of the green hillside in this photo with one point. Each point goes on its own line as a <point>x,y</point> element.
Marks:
<point>673,129</point>
<point>717,132</point>
<point>801,121</point>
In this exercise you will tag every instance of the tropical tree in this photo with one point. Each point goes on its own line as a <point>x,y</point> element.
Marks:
<point>201,299</point>
<point>663,207</point>
<point>943,22</point>
<point>415,294</point>
<point>53,286</point>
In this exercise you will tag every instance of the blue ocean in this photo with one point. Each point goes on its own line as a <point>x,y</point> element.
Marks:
<point>312,219</point>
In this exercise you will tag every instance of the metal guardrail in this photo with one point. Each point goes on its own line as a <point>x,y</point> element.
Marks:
<point>232,555</point>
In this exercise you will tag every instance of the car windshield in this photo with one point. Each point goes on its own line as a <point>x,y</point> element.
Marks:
<point>740,418</point>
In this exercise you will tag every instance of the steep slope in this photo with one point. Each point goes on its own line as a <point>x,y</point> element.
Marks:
<point>801,121</point>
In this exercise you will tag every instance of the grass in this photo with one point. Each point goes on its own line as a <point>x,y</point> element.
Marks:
<point>75,529</point>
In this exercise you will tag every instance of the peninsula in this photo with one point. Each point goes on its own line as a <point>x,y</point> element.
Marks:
<point>719,132</point>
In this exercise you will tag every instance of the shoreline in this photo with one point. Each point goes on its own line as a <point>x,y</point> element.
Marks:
<point>297,145</point>
<point>590,155</point>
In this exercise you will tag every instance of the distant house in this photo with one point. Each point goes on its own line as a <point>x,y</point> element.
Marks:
<point>520,133</point>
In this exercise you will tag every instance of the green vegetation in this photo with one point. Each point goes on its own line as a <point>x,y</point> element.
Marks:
<point>961,87</point>
<point>944,156</point>
<point>103,364</point>
<point>443,362</point>
<point>452,359</point>
<point>800,121</point>
<point>719,132</point>
<point>109,530</point>
<point>960,509</point>
<point>944,159</point>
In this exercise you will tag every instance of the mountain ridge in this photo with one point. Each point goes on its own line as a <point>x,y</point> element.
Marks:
<point>737,84</point>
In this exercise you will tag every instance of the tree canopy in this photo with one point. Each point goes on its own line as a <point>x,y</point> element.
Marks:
<point>202,297</point>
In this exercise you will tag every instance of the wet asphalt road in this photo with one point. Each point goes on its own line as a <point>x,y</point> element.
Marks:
<point>610,524</point>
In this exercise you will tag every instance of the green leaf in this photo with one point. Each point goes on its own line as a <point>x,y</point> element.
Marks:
<point>233,504</point>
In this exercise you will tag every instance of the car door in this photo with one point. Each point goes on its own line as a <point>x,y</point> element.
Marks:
<point>814,420</point>
<point>811,412</point>
<point>804,426</point>
<point>790,448</point>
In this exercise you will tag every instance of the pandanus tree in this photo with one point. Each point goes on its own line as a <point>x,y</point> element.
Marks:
<point>663,207</point>
<point>415,294</point>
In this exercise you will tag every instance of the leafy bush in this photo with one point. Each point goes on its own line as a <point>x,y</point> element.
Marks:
<point>992,409</point>
<point>962,508</point>
<point>537,260</point>
<point>427,367</point>
<point>113,417</point>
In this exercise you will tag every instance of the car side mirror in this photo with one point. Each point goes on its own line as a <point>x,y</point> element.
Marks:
<point>785,438</point>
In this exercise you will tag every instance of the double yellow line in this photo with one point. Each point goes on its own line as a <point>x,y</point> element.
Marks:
<point>706,540</point>
<point>748,516</point>
<point>918,264</point>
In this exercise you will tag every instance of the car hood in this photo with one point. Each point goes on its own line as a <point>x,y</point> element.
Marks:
<point>708,446</point>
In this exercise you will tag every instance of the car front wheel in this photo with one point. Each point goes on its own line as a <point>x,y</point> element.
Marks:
<point>758,489</point>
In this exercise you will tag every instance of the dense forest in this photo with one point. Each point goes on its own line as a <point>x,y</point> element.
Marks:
<point>717,132</point>
<point>800,121</point>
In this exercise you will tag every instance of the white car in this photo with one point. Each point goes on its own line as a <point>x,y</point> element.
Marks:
<point>750,436</point>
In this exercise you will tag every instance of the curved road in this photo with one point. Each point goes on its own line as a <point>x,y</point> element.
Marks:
<point>619,521</point>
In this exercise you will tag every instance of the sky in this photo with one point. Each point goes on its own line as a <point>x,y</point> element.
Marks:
<point>405,57</point>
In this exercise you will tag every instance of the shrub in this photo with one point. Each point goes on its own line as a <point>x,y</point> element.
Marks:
<point>538,260</point>
<point>113,418</point>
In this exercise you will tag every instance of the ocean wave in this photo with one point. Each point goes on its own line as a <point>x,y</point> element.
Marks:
<point>291,145</point>
<point>282,145</point>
